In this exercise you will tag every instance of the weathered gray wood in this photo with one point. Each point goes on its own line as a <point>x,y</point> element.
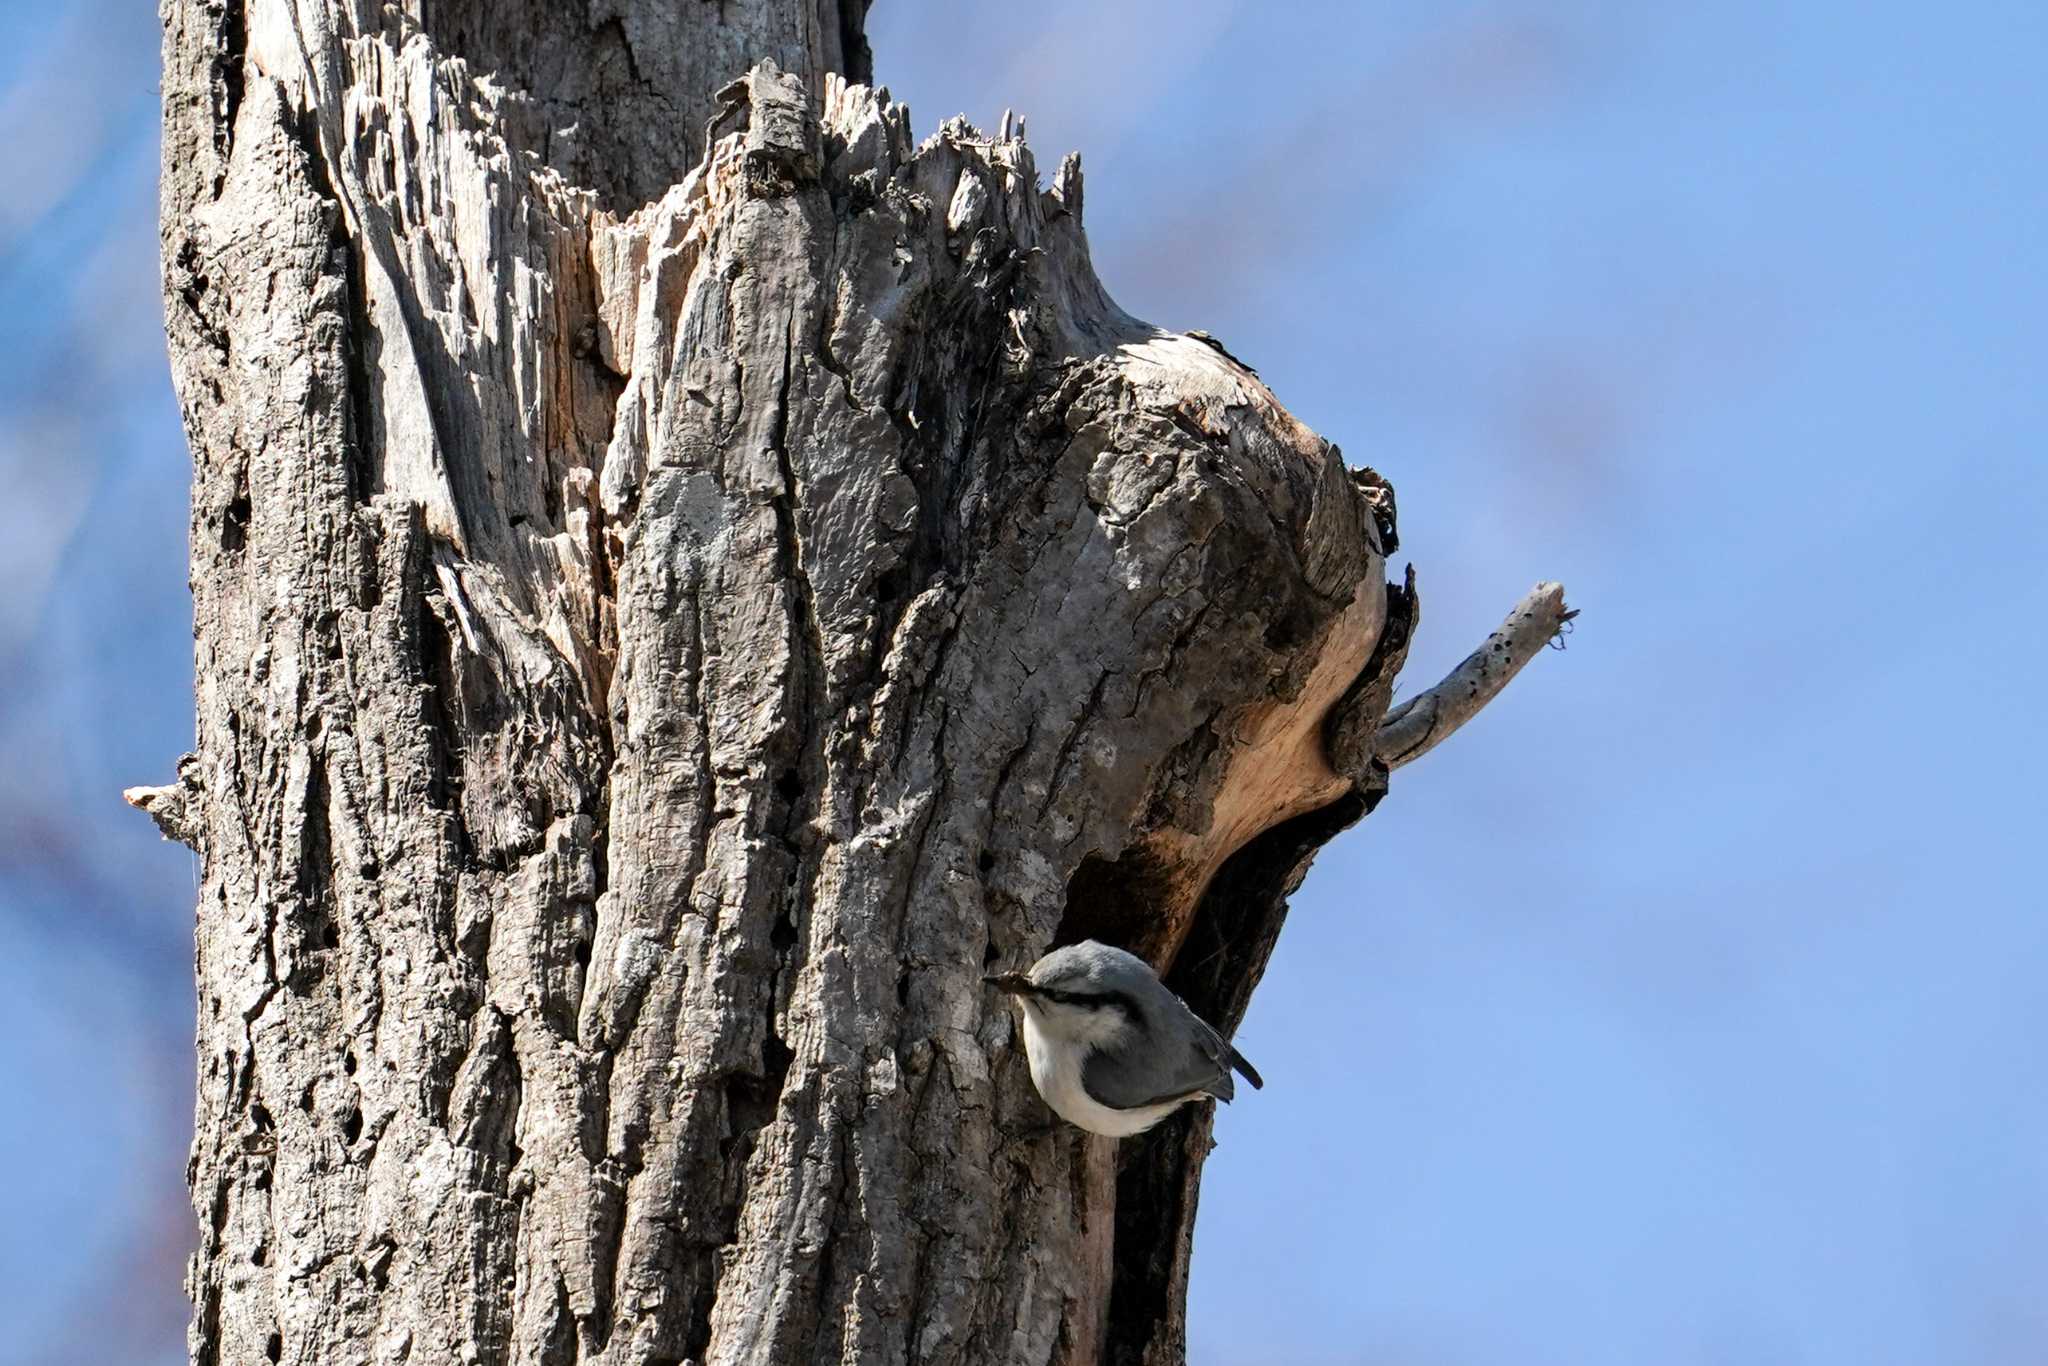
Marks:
<point>1429,718</point>
<point>670,615</point>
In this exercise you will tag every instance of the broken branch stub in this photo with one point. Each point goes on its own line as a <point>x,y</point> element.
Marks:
<point>1429,718</point>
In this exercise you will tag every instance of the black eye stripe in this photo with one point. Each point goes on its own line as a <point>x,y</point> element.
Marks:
<point>1094,1000</point>
<point>1070,998</point>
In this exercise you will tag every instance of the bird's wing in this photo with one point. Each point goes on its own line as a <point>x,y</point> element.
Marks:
<point>1132,1078</point>
<point>1223,1053</point>
<point>1170,1059</point>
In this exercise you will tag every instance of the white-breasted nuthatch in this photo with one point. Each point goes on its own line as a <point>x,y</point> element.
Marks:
<point>1111,1049</point>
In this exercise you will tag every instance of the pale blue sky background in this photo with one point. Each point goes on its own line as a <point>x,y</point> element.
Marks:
<point>1690,1006</point>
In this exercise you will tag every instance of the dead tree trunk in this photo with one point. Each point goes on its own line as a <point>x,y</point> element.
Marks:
<point>672,611</point>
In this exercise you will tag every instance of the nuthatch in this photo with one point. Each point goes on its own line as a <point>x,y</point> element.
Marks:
<point>1111,1049</point>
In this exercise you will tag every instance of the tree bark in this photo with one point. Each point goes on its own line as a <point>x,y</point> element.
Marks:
<point>673,609</point>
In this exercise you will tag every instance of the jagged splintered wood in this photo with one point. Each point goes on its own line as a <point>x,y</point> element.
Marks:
<point>672,611</point>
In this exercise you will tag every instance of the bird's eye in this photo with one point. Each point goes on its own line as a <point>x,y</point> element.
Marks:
<point>1087,1000</point>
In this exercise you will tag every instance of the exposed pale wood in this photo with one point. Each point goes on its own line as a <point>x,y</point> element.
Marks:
<point>670,612</point>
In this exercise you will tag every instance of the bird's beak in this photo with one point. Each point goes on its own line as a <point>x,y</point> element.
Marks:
<point>1010,983</point>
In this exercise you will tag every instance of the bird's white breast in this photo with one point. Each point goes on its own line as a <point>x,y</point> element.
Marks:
<point>1056,1072</point>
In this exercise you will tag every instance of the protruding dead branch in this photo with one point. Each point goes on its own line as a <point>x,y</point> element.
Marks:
<point>173,806</point>
<point>1424,721</point>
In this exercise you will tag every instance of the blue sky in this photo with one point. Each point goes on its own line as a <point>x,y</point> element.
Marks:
<point>1689,1006</point>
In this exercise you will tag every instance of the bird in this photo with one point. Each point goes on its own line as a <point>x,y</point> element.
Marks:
<point>1112,1051</point>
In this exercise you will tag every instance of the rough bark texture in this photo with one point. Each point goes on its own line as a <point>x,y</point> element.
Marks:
<point>671,614</point>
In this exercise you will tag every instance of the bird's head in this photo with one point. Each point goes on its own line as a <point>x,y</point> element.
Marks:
<point>1084,991</point>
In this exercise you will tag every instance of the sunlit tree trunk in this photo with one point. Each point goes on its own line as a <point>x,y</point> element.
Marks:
<point>672,611</point>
